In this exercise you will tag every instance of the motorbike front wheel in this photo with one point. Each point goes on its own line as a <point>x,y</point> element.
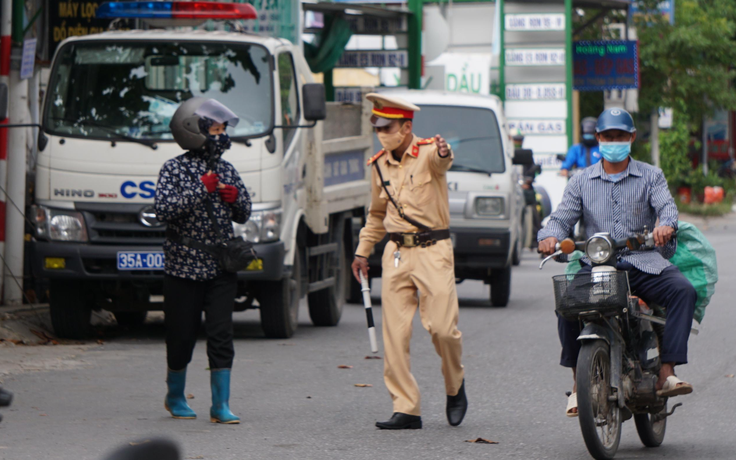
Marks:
<point>651,427</point>
<point>600,419</point>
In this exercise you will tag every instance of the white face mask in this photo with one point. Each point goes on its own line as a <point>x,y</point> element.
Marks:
<point>391,142</point>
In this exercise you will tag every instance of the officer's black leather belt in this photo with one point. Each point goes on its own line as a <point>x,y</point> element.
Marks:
<point>423,239</point>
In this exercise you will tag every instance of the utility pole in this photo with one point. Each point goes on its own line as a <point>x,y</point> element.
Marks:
<point>6,28</point>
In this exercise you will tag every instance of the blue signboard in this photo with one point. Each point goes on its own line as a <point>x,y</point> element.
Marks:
<point>344,167</point>
<point>605,65</point>
<point>666,8</point>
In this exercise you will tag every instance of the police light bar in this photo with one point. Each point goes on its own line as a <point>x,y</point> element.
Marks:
<point>176,10</point>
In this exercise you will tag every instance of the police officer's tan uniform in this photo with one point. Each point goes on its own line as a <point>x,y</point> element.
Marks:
<point>418,184</point>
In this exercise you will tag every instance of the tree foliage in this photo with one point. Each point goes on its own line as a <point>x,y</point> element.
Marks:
<point>688,64</point>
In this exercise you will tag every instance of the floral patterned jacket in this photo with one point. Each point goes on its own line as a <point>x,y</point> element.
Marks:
<point>180,202</point>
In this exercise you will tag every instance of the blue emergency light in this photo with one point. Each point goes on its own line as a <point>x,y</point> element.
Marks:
<point>176,10</point>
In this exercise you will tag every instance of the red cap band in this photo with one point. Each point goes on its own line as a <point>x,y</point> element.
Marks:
<point>393,113</point>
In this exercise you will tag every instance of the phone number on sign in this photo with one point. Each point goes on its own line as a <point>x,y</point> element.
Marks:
<point>140,260</point>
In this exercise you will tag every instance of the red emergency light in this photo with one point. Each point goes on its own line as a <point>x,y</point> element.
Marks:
<point>176,10</point>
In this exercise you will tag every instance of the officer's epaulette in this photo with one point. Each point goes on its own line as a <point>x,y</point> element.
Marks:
<point>426,141</point>
<point>375,157</point>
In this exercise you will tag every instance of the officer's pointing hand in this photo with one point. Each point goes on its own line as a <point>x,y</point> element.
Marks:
<point>441,145</point>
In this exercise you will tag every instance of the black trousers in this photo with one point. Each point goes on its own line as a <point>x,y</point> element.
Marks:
<point>669,289</point>
<point>184,302</point>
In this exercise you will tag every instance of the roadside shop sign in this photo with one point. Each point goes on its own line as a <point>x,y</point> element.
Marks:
<point>605,65</point>
<point>350,95</point>
<point>69,19</point>
<point>536,91</point>
<point>380,58</point>
<point>535,57</point>
<point>546,127</point>
<point>666,8</point>
<point>373,25</point>
<point>534,22</point>
<point>28,59</point>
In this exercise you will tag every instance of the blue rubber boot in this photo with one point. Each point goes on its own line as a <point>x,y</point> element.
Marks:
<point>220,410</point>
<point>175,401</point>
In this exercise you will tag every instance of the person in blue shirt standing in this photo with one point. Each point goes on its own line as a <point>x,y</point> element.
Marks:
<point>585,153</point>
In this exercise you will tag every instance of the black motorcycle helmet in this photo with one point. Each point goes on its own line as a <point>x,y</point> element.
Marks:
<point>587,131</point>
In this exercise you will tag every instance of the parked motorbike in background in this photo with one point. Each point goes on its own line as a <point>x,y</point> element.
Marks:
<point>6,398</point>
<point>619,360</point>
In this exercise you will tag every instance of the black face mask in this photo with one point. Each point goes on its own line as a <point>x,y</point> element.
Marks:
<point>215,145</point>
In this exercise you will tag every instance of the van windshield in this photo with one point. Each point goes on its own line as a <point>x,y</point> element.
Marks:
<point>116,90</point>
<point>472,132</point>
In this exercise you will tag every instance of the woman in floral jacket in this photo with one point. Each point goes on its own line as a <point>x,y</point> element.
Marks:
<point>194,282</point>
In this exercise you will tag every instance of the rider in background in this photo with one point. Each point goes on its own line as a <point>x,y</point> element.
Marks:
<point>585,153</point>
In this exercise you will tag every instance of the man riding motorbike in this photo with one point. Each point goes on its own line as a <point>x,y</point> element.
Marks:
<point>622,196</point>
<point>585,153</point>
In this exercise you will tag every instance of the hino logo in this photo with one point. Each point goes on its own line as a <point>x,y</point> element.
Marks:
<point>74,193</point>
<point>148,218</point>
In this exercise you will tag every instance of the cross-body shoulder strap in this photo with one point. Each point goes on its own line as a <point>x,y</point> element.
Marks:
<point>421,227</point>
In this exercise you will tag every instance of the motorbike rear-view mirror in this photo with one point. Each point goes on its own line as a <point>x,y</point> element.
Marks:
<point>523,157</point>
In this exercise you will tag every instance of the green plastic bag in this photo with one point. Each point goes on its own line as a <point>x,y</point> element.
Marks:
<point>696,259</point>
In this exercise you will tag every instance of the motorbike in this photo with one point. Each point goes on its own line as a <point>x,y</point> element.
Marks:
<point>619,360</point>
<point>6,398</point>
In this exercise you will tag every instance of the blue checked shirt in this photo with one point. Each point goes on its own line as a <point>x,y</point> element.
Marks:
<point>620,208</point>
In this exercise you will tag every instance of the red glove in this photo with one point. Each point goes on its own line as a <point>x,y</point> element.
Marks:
<point>210,181</point>
<point>228,193</point>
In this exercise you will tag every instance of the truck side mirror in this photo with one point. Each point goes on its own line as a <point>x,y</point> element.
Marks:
<point>3,101</point>
<point>315,107</point>
<point>523,157</point>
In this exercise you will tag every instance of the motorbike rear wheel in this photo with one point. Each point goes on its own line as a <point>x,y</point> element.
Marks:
<point>651,428</point>
<point>600,419</point>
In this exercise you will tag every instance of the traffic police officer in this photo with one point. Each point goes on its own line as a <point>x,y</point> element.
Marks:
<point>409,201</point>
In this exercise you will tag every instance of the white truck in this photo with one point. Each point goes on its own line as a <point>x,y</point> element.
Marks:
<point>486,199</point>
<point>105,135</point>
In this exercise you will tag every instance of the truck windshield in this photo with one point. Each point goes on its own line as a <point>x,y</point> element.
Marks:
<point>116,90</point>
<point>472,132</point>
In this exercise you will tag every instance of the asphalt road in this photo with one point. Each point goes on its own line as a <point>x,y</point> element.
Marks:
<point>297,404</point>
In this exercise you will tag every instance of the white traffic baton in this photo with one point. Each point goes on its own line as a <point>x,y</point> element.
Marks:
<point>366,290</point>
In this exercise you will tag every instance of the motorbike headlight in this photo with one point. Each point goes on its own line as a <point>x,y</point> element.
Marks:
<point>59,225</point>
<point>489,206</point>
<point>599,249</point>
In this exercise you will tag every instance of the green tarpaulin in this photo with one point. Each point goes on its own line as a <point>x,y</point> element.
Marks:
<point>323,54</point>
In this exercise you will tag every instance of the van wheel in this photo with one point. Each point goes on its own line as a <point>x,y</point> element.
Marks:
<point>500,287</point>
<point>325,306</point>
<point>279,302</point>
<point>69,309</point>
<point>130,318</point>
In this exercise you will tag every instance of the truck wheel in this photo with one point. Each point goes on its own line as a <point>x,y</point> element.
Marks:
<point>130,318</point>
<point>500,287</point>
<point>69,310</point>
<point>279,303</point>
<point>516,256</point>
<point>325,306</point>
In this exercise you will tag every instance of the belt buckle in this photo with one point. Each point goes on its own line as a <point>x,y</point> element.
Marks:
<point>409,240</point>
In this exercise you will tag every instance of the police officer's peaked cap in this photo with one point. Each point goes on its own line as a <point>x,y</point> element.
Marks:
<point>388,108</point>
<point>615,119</point>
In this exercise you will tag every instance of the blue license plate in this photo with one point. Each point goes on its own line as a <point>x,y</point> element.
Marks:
<point>136,260</point>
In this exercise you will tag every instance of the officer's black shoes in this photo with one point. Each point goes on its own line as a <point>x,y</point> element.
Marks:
<point>401,421</point>
<point>457,406</point>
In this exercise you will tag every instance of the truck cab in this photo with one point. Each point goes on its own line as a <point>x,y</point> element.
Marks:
<point>106,134</point>
<point>486,199</point>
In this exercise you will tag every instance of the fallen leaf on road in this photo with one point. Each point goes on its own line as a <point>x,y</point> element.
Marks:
<point>344,366</point>
<point>481,441</point>
<point>100,342</point>
<point>372,357</point>
<point>43,415</point>
<point>197,457</point>
<point>730,376</point>
<point>190,396</point>
<point>138,443</point>
<point>363,385</point>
